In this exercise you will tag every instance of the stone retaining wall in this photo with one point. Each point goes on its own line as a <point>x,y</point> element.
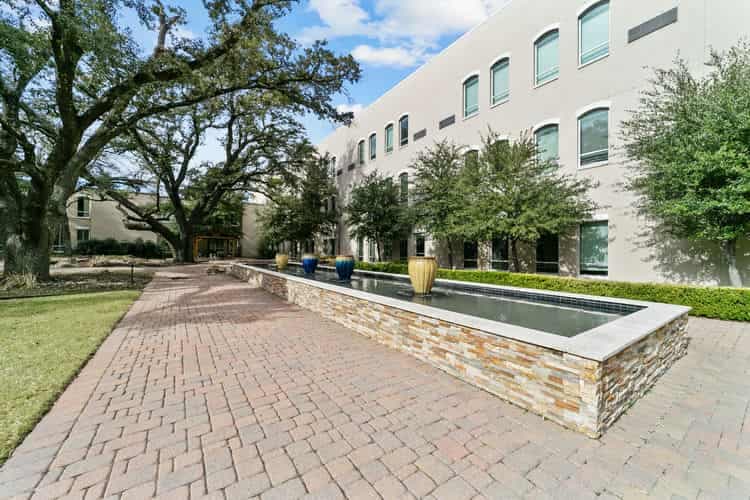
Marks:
<point>578,393</point>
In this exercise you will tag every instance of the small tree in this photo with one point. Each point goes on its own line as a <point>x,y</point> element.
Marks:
<point>301,208</point>
<point>510,193</point>
<point>437,193</point>
<point>375,211</point>
<point>690,140</point>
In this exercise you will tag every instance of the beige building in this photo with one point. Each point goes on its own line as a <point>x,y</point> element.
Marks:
<point>90,217</point>
<point>567,71</point>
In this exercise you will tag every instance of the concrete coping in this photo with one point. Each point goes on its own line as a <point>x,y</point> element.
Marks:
<point>597,344</point>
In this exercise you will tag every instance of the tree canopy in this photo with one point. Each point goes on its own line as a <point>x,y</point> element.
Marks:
<point>302,208</point>
<point>261,142</point>
<point>438,195</point>
<point>511,193</point>
<point>375,211</point>
<point>73,78</point>
<point>690,143</point>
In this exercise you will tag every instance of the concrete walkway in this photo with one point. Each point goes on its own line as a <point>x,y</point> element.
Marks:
<point>211,389</point>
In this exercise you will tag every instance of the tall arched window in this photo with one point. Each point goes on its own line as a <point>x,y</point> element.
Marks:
<point>500,81</point>
<point>373,146</point>
<point>593,33</point>
<point>361,152</point>
<point>389,138</point>
<point>547,57</point>
<point>404,183</point>
<point>593,137</point>
<point>547,141</point>
<point>403,130</point>
<point>471,96</point>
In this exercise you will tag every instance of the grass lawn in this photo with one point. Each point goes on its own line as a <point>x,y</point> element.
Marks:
<point>44,342</point>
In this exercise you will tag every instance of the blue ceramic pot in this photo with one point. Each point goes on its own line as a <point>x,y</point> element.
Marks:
<point>345,267</point>
<point>309,263</point>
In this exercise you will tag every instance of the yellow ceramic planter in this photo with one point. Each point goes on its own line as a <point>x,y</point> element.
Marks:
<point>422,272</point>
<point>282,260</point>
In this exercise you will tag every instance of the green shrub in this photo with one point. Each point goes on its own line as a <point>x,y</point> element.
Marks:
<point>138,248</point>
<point>384,267</point>
<point>709,302</point>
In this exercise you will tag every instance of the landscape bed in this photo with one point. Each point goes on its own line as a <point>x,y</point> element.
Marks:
<point>577,360</point>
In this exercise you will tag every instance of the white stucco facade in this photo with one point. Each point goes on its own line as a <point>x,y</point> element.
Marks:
<point>434,93</point>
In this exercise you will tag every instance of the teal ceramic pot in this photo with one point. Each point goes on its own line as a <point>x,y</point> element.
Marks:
<point>309,263</point>
<point>345,267</point>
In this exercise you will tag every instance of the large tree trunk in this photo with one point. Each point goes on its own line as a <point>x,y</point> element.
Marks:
<point>27,256</point>
<point>450,255</point>
<point>515,261</point>
<point>27,248</point>
<point>729,249</point>
<point>182,248</point>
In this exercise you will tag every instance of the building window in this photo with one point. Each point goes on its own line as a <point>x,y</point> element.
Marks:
<point>360,249</point>
<point>82,235</point>
<point>388,251</point>
<point>547,57</point>
<point>595,248</point>
<point>373,146</point>
<point>547,143</point>
<point>471,158</point>
<point>332,166</point>
<point>420,245</point>
<point>403,250</point>
<point>371,252</point>
<point>500,254</point>
<point>593,131</point>
<point>389,138</point>
<point>471,96</point>
<point>403,128</point>
<point>361,152</point>
<point>471,255</point>
<point>500,81</point>
<point>548,254</point>
<point>83,207</point>
<point>59,245</point>
<point>404,183</point>
<point>593,33</point>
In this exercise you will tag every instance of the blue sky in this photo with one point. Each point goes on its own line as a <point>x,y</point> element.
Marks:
<point>389,38</point>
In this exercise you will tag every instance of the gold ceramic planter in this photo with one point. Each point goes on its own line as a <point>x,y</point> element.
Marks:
<point>282,260</point>
<point>422,271</point>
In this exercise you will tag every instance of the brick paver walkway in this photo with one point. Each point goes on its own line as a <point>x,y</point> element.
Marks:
<point>210,388</point>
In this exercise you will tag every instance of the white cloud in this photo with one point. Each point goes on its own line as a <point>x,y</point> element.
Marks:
<point>405,31</point>
<point>349,108</point>
<point>397,57</point>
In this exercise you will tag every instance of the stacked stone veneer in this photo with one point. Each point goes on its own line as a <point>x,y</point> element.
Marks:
<point>579,393</point>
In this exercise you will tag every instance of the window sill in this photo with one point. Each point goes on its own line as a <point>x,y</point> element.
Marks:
<point>593,165</point>
<point>540,85</point>
<point>583,65</point>
<point>469,117</point>
<point>500,102</point>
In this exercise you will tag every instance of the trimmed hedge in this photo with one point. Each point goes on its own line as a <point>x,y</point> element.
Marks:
<point>710,302</point>
<point>110,246</point>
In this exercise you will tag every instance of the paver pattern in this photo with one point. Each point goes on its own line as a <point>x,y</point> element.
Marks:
<point>211,389</point>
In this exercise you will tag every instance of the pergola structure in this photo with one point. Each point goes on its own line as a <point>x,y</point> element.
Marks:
<point>220,246</point>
